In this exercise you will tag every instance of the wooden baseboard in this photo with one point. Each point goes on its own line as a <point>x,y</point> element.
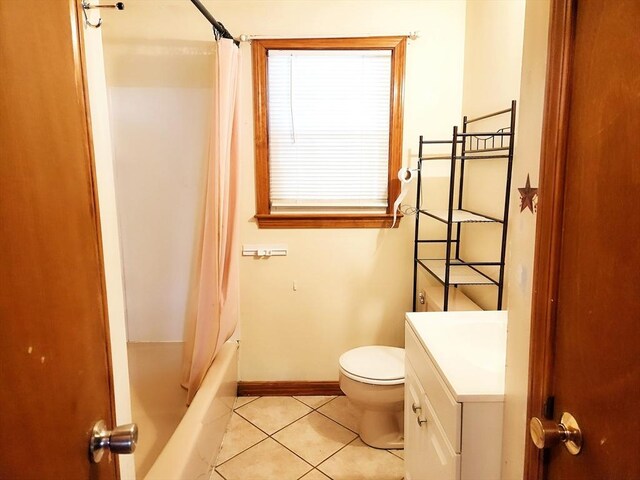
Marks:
<point>259,389</point>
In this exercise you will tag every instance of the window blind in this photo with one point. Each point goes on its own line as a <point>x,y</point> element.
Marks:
<point>328,117</point>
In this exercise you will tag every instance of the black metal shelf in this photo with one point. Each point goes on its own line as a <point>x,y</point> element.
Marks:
<point>465,146</point>
<point>467,156</point>
<point>459,216</point>
<point>460,273</point>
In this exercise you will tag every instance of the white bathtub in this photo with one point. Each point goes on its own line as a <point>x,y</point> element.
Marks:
<point>192,449</point>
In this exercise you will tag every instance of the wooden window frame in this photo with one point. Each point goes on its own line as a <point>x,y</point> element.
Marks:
<point>264,217</point>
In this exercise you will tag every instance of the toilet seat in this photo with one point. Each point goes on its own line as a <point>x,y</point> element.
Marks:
<point>375,365</point>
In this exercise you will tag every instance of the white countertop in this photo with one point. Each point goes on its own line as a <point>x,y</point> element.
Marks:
<point>468,348</point>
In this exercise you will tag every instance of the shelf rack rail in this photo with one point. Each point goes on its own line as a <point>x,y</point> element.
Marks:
<point>465,146</point>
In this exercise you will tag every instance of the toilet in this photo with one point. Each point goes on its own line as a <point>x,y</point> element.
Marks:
<point>372,378</point>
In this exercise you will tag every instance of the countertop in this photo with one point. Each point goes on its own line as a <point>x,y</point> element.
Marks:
<point>468,349</point>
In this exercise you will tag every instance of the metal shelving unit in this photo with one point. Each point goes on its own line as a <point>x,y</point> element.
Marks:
<point>465,146</point>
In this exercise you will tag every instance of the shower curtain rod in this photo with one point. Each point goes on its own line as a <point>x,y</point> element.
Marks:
<point>217,26</point>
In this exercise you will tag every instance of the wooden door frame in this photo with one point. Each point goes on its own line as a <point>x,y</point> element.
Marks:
<point>80,52</point>
<point>553,160</point>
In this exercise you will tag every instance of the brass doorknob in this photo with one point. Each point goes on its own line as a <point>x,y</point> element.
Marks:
<point>547,433</point>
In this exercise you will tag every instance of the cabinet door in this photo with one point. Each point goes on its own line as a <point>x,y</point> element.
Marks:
<point>414,435</point>
<point>428,454</point>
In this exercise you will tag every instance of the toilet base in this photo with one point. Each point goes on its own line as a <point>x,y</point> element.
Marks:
<point>382,429</point>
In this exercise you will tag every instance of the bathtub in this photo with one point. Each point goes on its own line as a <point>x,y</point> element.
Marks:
<point>191,449</point>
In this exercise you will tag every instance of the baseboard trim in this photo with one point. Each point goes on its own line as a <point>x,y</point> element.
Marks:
<point>260,389</point>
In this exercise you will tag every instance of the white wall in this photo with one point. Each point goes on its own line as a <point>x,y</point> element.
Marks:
<point>521,237</point>
<point>160,102</point>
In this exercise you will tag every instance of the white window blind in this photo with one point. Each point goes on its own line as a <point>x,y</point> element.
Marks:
<point>328,117</point>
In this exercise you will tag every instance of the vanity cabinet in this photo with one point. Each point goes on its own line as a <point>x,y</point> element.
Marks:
<point>428,455</point>
<point>451,433</point>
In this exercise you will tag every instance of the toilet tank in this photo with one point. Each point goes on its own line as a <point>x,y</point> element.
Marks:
<point>434,300</point>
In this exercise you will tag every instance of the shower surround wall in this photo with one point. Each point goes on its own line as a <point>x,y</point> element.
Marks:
<point>159,93</point>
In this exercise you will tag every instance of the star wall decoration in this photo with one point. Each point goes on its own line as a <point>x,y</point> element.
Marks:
<point>528,197</point>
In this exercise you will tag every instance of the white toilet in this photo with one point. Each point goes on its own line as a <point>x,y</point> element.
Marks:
<point>372,378</point>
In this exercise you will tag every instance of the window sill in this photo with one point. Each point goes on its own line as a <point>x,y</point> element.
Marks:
<point>320,220</point>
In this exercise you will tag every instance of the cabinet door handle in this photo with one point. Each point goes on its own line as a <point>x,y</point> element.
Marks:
<point>417,409</point>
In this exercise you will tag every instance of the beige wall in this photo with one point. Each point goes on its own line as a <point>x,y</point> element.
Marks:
<point>492,55</point>
<point>353,286</point>
<point>492,66</point>
<point>522,236</point>
<point>505,59</point>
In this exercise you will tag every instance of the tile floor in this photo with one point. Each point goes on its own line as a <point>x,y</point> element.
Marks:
<point>305,438</point>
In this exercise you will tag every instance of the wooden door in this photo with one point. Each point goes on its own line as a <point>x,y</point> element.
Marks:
<point>585,356</point>
<point>54,353</point>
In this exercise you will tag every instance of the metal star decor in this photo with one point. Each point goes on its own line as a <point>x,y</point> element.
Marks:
<point>528,197</point>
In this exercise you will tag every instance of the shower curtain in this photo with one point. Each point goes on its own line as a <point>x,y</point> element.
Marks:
<point>218,285</point>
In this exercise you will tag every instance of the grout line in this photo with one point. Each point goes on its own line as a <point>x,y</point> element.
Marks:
<point>392,452</point>
<point>281,428</point>
<point>246,403</point>
<point>316,469</point>
<point>321,461</point>
<point>333,397</point>
<point>308,406</point>
<point>336,421</point>
<point>270,436</point>
<point>288,425</point>
<point>304,460</point>
<point>291,423</point>
<point>335,453</point>
<point>246,419</point>
<point>215,469</point>
<point>242,451</point>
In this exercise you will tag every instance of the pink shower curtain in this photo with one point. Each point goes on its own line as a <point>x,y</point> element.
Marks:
<point>217,295</point>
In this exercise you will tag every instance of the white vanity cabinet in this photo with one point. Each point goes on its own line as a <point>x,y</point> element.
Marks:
<point>454,394</point>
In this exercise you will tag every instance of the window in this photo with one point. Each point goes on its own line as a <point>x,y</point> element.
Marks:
<point>328,131</point>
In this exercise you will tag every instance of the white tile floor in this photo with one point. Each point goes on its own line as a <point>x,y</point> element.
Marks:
<point>305,438</point>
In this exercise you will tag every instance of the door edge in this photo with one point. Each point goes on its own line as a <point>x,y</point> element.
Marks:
<point>549,222</point>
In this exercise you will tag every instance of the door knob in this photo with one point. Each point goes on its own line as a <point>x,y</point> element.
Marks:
<point>547,433</point>
<point>121,439</point>
<point>417,409</point>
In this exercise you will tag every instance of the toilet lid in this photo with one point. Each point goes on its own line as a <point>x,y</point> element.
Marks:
<point>374,364</point>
